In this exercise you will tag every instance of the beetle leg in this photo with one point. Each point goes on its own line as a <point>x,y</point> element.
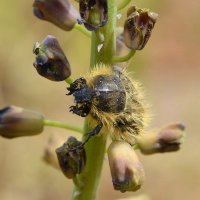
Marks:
<point>93,132</point>
<point>77,111</point>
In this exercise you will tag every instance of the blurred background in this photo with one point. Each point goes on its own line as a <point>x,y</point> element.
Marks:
<point>168,67</point>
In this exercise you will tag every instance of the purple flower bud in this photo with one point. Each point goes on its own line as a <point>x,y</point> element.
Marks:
<point>167,139</point>
<point>119,40</point>
<point>138,27</point>
<point>59,12</point>
<point>71,157</point>
<point>94,13</point>
<point>17,122</point>
<point>51,61</point>
<point>126,169</point>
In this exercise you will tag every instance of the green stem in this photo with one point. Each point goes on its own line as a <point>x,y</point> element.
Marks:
<point>117,59</point>
<point>58,124</point>
<point>108,31</point>
<point>82,30</point>
<point>86,184</point>
<point>123,4</point>
<point>69,80</point>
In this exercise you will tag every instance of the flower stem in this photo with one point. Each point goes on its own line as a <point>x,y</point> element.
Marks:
<point>86,184</point>
<point>82,30</point>
<point>123,4</point>
<point>58,124</point>
<point>117,59</point>
<point>69,81</point>
<point>104,56</point>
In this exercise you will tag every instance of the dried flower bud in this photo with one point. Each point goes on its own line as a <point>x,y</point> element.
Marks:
<point>50,156</point>
<point>126,169</point>
<point>17,122</point>
<point>59,12</point>
<point>94,13</point>
<point>71,157</point>
<point>51,61</point>
<point>166,140</point>
<point>138,27</point>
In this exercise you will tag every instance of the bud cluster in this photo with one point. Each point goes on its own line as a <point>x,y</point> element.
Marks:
<point>50,62</point>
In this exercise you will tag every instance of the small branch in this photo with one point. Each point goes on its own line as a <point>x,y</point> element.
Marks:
<point>117,59</point>
<point>82,30</point>
<point>58,124</point>
<point>123,4</point>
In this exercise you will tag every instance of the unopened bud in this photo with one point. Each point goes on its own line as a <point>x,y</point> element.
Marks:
<point>94,13</point>
<point>126,169</point>
<point>168,139</point>
<point>17,122</point>
<point>51,61</point>
<point>59,12</point>
<point>119,40</point>
<point>50,156</point>
<point>71,157</point>
<point>138,27</point>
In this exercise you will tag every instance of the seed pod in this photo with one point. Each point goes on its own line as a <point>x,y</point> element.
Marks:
<point>138,27</point>
<point>17,122</point>
<point>168,139</point>
<point>71,157</point>
<point>59,12</point>
<point>51,61</point>
<point>94,13</point>
<point>126,169</point>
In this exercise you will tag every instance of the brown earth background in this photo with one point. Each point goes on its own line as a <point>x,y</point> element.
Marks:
<point>168,67</point>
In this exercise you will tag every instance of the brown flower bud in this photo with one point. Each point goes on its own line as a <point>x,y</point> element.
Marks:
<point>17,122</point>
<point>50,156</point>
<point>71,157</point>
<point>166,140</point>
<point>126,169</point>
<point>138,27</point>
<point>59,12</point>
<point>51,61</point>
<point>94,13</point>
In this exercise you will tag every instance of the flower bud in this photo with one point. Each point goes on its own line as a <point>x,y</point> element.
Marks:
<point>168,139</point>
<point>51,61</point>
<point>71,157</point>
<point>94,13</point>
<point>126,169</point>
<point>50,156</point>
<point>59,12</point>
<point>17,122</point>
<point>138,27</point>
<point>119,40</point>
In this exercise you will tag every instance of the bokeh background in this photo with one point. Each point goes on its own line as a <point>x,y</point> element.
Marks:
<point>168,67</point>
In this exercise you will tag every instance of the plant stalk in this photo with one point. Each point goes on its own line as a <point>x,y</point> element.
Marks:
<point>86,184</point>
